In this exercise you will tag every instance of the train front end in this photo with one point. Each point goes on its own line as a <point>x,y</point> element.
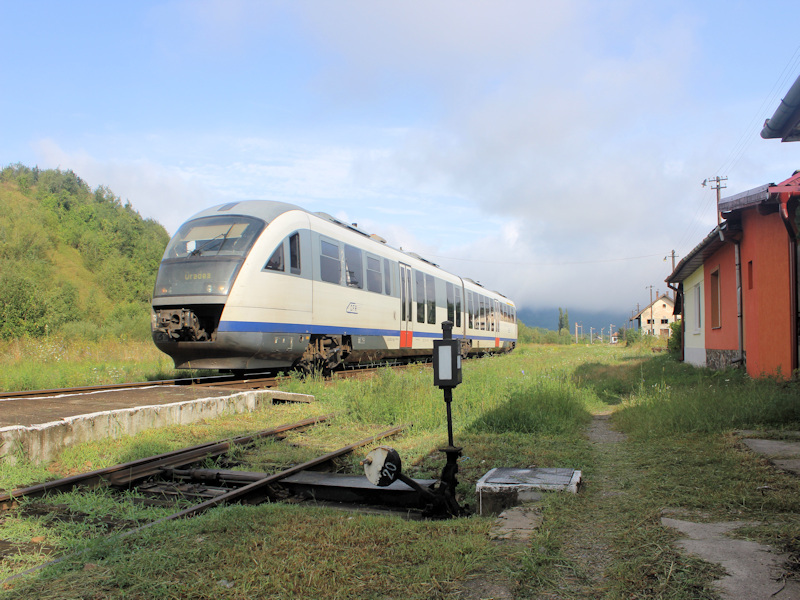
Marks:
<point>197,272</point>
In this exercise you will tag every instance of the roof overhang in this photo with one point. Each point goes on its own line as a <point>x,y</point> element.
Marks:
<point>712,242</point>
<point>785,123</point>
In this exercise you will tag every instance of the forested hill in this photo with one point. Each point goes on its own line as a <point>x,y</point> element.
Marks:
<point>72,258</point>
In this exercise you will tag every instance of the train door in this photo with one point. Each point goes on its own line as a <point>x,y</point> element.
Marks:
<point>406,322</point>
<point>496,320</point>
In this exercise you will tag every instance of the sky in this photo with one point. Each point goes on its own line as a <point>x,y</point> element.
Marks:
<point>553,151</point>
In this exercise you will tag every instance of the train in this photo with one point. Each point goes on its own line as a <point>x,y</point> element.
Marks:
<point>265,285</point>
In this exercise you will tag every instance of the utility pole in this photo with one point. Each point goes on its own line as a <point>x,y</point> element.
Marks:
<point>576,332</point>
<point>591,335</point>
<point>674,292</point>
<point>716,184</point>
<point>651,307</point>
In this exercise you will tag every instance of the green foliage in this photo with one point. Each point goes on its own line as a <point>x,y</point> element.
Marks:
<point>563,320</point>
<point>632,336</point>
<point>675,342</point>
<point>539,335</point>
<point>70,254</point>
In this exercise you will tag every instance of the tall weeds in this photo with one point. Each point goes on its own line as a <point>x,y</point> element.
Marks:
<point>711,403</point>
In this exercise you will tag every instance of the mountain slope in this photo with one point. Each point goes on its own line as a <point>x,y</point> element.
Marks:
<point>69,255</point>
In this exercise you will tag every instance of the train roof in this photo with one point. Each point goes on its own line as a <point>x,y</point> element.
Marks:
<point>269,210</point>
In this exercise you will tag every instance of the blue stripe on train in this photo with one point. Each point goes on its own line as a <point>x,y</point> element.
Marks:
<point>259,327</point>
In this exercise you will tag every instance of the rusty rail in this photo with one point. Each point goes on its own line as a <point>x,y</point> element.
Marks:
<point>256,486</point>
<point>125,474</point>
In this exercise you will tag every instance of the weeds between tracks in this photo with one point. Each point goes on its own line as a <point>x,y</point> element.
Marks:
<point>529,408</point>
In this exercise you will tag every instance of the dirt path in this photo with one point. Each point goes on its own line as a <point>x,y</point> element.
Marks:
<point>586,547</point>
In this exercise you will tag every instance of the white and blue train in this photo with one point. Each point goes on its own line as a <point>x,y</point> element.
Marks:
<point>268,285</point>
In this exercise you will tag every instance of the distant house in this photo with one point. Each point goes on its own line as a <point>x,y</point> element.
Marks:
<point>656,318</point>
<point>738,288</point>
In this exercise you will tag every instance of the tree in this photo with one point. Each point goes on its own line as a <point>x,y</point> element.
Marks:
<point>563,320</point>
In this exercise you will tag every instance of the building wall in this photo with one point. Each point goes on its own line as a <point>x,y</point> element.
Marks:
<point>766,277</point>
<point>694,344</point>
<point>661,316</point>
<point>722,337</point>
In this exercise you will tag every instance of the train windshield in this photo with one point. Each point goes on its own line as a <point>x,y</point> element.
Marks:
<point>204,257</point>
<point>214,236</point>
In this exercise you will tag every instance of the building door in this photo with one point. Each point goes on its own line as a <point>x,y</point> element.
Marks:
<point>406,322</point>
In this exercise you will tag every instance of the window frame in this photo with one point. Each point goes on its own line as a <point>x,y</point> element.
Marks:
<point>715,298</point>
<point>326,258</point>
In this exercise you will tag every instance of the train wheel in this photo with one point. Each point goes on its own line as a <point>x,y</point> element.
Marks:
<point>323,355</point>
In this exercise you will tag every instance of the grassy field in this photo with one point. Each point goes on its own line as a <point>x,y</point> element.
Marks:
<point>532,407</point>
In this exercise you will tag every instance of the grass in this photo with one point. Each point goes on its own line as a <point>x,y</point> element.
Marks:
<point>56,362</point>
<point>528,408</point>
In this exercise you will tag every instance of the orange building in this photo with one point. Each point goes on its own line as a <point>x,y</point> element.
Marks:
<point>750,280</point>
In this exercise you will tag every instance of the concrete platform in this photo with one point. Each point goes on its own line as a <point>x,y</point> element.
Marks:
<point>503,487</point>
<point>784,455</point>
<point>38,429</point>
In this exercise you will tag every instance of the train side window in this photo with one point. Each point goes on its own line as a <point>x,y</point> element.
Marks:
<point>330,267</point>
<point>275,262</point>
<point>419,280</point>
<point>387,277</point>
<point>470,310</point>
<point>354,266</point>
<point>374,278</point>
<point>451,302</point>
<point>430,295</point>
<point>294,253</point>
<point>458,306</point>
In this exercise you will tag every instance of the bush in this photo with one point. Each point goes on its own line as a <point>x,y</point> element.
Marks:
<point>540,335</point>
<point>675,342</point>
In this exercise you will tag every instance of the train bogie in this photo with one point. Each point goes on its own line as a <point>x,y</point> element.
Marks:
<point>256,285</point>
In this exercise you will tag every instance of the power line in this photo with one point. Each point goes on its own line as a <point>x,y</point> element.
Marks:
<point>745,140</point>
<point>749,135</point>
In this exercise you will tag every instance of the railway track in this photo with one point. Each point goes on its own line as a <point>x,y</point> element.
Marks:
<point>253,381</point>
<point>166,479</point>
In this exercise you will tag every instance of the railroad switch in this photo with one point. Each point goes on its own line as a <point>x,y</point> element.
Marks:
<point>383,466</point>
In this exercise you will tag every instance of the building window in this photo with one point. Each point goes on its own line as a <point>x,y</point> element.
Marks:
<point>664,321</point>
<point>698,307</point>
<point>715,300</point>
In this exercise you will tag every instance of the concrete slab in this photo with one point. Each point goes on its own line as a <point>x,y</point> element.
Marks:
<point>754,571</point>
<point>505,487</point>
<point>782,454</point>
<point>41,442</point>
<point>788,464</point>
<point>516,524</point>
<point>773,448</point>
